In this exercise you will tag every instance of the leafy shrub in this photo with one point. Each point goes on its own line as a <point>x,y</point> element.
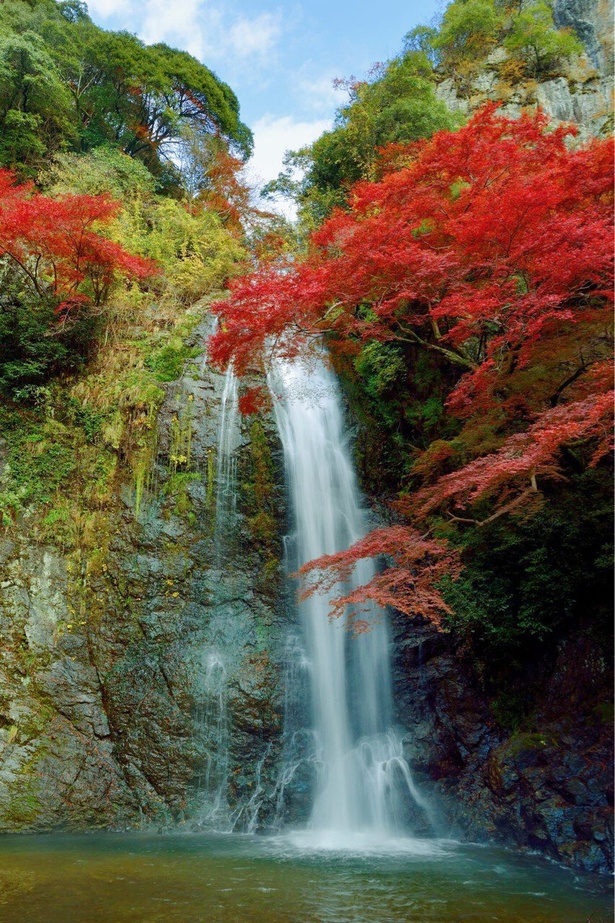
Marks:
<point>537,42</point>
<point>470,29</point>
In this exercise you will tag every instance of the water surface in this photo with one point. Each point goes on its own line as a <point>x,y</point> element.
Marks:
<point>193,878</point>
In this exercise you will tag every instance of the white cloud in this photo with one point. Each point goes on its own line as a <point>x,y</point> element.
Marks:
<point>320,94</point>
<point>178,24</point>
<point>209,31</point>
<point>272,138</point>
<point>256,37</point>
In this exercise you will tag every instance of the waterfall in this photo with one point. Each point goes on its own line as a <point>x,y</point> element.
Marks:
<point>213,730</point>
<point>364,784</point>
<point>226,473</point>
<point>212,722</point>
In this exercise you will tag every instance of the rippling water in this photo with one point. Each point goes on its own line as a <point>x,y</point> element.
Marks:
<point>128,878</point>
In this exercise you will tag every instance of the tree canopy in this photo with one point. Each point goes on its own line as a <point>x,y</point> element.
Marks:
<point>67,84</point>
<point>490,251</point>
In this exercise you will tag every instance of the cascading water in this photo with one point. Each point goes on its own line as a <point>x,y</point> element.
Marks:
<point>212,721</point>
<point>226,473</point>
<point>365,782</point>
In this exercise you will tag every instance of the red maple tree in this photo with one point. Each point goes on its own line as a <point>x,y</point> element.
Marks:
<point>56,244</point>
<point>491,248</point>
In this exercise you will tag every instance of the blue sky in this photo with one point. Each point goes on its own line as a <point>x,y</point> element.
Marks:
<point>280,59</point>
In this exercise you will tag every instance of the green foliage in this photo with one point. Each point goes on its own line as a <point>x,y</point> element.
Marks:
<point>193,249</point>
<point>382,366</point>
<point>177,488</point>
<point>40,460</point>
<point>526,741</point>
<point>398,104</point>
<point>105,170</point>
<point>422,38</point>
<point>167,362</point>
<point>535,40</point>
<point>30,356</point>
<point>527,580</point>
<point>181,437</point>
<point>398,395</point>
<point>469,31</point>
<point>382,370</point>
<point>428,414</point>
<point>510,708</point>
<point>34,103</point>
<point>66,83</point>
<point>195,252</point>
<point>85,417</point>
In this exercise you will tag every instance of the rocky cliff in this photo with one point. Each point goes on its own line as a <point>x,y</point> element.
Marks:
<point>581,92</point>
<point>546,784</point>
<point>140,676</point>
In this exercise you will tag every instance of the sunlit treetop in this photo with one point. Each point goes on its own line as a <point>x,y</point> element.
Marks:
<point>67,84</point>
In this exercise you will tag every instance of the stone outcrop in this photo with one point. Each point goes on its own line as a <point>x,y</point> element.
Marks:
<point>592,21</point>
<point>547,785</point>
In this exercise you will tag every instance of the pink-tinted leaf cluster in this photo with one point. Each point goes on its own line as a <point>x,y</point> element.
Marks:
<point>416,564</point>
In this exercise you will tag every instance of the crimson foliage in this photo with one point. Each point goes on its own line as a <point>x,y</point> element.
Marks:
<point>490,249</point>
<point>56,244</point>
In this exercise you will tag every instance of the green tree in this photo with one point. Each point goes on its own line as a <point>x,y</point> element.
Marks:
<point>397,104</point>
<point>103,170</point>
<point>34,104</point>
<point>535,39</point>
<point>469,30</point>
<point>66,83</point>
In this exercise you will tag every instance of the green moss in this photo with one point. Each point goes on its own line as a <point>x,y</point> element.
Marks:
<point>510,708</point>
<point>41,457</point>
<point>180,451</point>
<point>605,713</point>
<point>526,742</point>
<point>24,809</point>
<point>84,416</point>
<point>260,501</point>
<point>264,528</point>
<point>177,488</point>
<point>262,483</point>
<point>167,362</point>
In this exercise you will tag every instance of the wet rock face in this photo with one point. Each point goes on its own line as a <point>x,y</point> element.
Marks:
<point>592,21</point>
<point>548,787</point>
<point>57,762</point>
<point>108,715</point>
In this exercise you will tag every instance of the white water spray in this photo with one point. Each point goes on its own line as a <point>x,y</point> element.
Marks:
<point>212,720</point>
<point>364,781</point>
